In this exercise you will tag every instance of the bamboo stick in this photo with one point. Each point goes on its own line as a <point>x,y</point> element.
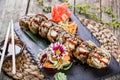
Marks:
<point>4,47</point>
<point>13,49</point>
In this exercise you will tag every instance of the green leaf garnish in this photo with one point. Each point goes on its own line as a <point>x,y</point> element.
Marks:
<point>40,41</point>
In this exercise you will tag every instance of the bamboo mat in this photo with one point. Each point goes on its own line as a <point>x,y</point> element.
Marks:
<point>104,36</point>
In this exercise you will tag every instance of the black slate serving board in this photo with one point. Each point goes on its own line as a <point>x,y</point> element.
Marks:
<point>78,71</point>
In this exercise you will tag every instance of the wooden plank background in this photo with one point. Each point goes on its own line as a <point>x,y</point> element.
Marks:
<point>10,9</point>
<point>113,4</point>
<point>13,9</point>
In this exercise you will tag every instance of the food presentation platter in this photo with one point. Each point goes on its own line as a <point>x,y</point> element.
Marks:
<point>78,71</point>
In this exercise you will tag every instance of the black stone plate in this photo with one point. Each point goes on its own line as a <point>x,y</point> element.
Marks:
<point>78,71</point>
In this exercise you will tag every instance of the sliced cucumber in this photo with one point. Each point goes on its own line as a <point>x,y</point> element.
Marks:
<point>68,66</point>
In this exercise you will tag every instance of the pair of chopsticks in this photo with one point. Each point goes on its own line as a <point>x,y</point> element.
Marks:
<point>5,46</point>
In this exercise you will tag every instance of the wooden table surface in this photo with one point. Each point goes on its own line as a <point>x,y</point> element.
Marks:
<point>14,9</point>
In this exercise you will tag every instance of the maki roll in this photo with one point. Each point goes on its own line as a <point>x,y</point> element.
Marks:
<point>99,58</point>
<point>40,18</point>
<point>81,53</point>
<point>36,22</point>
<point>64,36</point>
<point>60,38</point>
<point>44,27</point>
<point>83,50</point>
<point>24,22</point>
<point>89,45</point>
<point>79,40</point>
<point>70,44</point>
<point>34,25</point>
<point>54,33</point>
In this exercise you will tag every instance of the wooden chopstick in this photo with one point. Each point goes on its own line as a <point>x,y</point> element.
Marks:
<point>13,49</point>
<point>4,47</point>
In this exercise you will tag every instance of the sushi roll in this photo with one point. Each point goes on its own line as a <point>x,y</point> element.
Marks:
<point>60,38</point>
<point>70,44</point>
<point>34,25</point>
<point>64,36</point>
<point>89,45</point>
<point>79,40</point>
<point>54,33</point>
<point>44,27</point>
<point>36,22</point>
<point>83,50</point>
<point>40,18</point>
<point>53,22</point>
<point>99,58</point>
<point>81,53</point>
<point>24,22</point>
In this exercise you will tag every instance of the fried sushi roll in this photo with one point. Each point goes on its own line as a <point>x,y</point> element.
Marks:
<point>44,27</point>
<point>64,36</point>
<point>40,18</point>
<point>34,25</point>
<point>60,38</point>
<point>36,22</point>
<point>24,22</point>
<point>53,33</point>
<point>70,44</point>
<point>89,45</point>
<point>79,40</point>
<point>99,58</point>
<point>83,50</point>
<point>81,53</point>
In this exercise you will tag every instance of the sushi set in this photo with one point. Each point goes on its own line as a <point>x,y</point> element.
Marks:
<point>61,45</point>
<point>81,43</point>
<point>85,51</point>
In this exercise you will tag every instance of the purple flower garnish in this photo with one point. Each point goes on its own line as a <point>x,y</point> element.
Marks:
<point>58,50</point>
<point>43,59</point>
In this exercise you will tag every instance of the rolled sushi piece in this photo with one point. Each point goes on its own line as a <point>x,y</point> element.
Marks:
<point>40,18</point>
<point>34,25</point>
<point>99,58</point>
<point>83,50</point>
<point>79,40</point>
<point>70,44</point>
<point>44,27</point>
<point>36,22</point>
<point>89,45</point>
<point>81,53</point>
<point>24,22</point>
<point>53,33</point>
<point>62,38</point>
